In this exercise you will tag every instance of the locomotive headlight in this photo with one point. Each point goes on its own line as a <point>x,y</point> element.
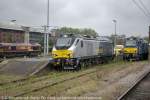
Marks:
<point>125,51</point>
<point>54,55</point>
<point>70,55</point>
<point>135,51</point>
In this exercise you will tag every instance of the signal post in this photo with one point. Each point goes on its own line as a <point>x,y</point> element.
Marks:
<point>149,43</point>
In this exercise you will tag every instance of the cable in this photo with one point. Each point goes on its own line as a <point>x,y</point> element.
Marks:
<point>144,12</point>
<point>144,7</point>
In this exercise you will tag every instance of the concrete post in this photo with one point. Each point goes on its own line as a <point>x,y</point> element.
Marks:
<point>26,36</point>
<point>47,44</point>
<point>45,40</point>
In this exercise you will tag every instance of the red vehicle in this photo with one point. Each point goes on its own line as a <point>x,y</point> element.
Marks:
<point>19,49</point>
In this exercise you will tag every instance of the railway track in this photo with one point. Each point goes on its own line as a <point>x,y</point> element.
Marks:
<point>29,77</point>
<point>23,86</point>
<point>25,80</point>
<point>140,90</point>
<point>14,81</point>
<point>28,85</point>
<point>49,84</point>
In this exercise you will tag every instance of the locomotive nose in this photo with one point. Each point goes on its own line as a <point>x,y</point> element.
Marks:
<point>130,50</point>
<point>62,54</point>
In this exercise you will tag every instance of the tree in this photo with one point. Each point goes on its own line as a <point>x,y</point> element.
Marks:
<point>146,38</point>
<point>85,31</point>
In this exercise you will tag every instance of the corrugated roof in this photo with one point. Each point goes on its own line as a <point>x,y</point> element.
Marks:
<point>15,44</point>
<point>14,26</point>
<point>10,26</point>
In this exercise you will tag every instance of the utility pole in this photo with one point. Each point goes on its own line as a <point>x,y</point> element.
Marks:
<point>47,35</point>
<point>115,23</point>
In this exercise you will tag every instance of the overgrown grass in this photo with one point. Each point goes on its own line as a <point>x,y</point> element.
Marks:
<point>78,86</point>
<point>8,77</point>
<point>73,87</point>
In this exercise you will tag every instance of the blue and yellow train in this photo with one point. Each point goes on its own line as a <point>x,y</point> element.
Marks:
<point>135,49</point>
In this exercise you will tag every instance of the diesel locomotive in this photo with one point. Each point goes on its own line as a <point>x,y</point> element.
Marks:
<point>135,49</point>
<point>72,52</point>
<point>19,49</point>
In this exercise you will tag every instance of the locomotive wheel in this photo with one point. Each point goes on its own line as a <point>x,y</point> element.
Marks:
<point>77,67</point>
<point>83,64</point>
<point>145,56</point>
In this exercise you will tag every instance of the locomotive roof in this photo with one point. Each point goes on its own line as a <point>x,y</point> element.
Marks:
<point>85,37</point>
<point>104,39</point>
<point>136,38</point>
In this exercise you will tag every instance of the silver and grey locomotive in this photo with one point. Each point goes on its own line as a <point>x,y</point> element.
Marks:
<point>72,52</point>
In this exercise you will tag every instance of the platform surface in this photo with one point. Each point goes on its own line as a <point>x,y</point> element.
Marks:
<point>24,66</point>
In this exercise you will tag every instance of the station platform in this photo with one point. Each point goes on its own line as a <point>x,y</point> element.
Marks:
<point>24,66</point>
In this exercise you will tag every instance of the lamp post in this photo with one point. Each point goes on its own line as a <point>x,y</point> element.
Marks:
<point>115,23</point>
<point>13,20</point>
<point>46,35</point>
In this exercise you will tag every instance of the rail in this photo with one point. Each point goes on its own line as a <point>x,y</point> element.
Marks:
<point>133,86</point>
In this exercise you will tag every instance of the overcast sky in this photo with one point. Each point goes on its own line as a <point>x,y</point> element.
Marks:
<point>95,14</point>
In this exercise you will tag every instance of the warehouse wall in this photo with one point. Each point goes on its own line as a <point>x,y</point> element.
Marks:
<point>11,36</point>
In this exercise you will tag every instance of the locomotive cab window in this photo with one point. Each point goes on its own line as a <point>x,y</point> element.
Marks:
<point>77,42</point>
<point>64,43</point>
<point>130,43</point>
<point>81,44</point>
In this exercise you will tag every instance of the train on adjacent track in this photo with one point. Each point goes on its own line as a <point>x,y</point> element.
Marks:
<point>19,49</point>
<point>74,52</point>
<point>135,49</point>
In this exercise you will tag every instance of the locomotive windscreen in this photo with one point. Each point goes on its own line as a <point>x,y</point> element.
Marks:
<point>64,43</point>
<point>130,43</point>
